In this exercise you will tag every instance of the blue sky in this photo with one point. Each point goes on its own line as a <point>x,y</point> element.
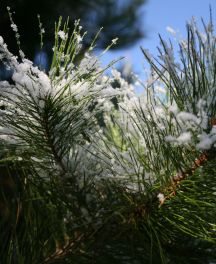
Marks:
<point>157,15</point>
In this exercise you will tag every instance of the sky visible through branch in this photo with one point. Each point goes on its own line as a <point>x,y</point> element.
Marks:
<point>159,17</point>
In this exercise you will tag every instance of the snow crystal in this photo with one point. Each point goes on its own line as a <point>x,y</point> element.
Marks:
<point>205,142</point>
<point>174,108</point>
<point>161,197</point>
<point>159,111</point>
<point>114,41</point>
<point>22,54</point>
<point>38,84</point>
<point>79,38</point>
<point>184,44</point>
<point>203,36</point>
<point>14,27</point>
<point>1,40</point>
<point>184,138</point>
<point>170,138</point>
<point>62,35</point>
<point>116,74</point>
<point>44,81</point>
<point>88,64</point>
<point>201,104</point>
<point>185,116</point>
<point>171,30</point>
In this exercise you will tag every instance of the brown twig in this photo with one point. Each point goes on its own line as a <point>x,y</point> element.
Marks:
<point>177,179</point>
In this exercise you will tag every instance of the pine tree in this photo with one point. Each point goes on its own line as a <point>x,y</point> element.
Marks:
<point>119,18</point>
<point>139,189</point>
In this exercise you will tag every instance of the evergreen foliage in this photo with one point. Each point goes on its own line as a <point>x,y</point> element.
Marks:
<point>139,189</point>
<point>119,18</point>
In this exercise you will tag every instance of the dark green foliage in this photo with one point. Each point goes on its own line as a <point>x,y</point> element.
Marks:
<point>120,19</point>
<point>75,192</point>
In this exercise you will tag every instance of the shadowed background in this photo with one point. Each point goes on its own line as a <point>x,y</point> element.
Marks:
<point>121,19</point>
